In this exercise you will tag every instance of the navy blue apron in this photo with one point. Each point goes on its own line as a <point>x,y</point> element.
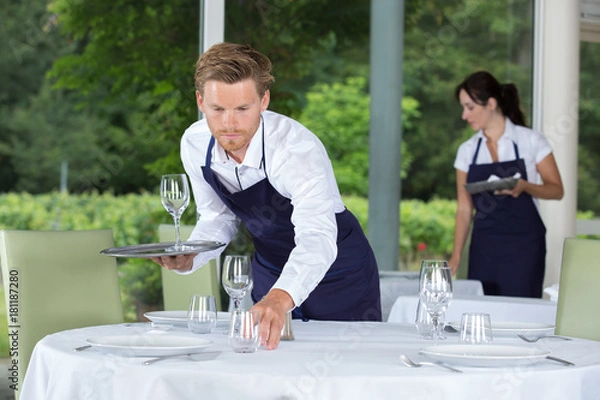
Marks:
<point>508,243</point>
<point>350,288</point>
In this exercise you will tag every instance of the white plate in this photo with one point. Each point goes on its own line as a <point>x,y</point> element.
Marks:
<point>505,328</point>
<point>179,317</point>
<point>484,355</point>
<point>149,345</point>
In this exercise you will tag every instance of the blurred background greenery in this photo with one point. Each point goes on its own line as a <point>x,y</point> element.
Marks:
<point>96,95</point>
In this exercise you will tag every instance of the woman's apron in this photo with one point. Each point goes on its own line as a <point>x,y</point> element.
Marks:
<point>508,243</point>
<point>350,288</point>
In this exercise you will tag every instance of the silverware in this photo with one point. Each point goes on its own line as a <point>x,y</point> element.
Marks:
<point>410,363</point>
<point>535,339</point>
<point>81,348</point>
<point>560,360</point>
<point>205,356</point>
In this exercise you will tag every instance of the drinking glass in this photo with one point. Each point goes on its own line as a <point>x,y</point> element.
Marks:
<point>475,328</point>
<point>435,291</point>
<point>202,314</point>
<point>423,322</point>
<point>237,277</point>
<point>175,197</point>
<point>243,331</point>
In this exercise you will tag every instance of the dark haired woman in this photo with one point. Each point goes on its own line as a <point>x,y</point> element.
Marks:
<point>508,244</point>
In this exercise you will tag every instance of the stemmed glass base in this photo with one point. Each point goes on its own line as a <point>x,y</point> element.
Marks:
<point>437,330</point>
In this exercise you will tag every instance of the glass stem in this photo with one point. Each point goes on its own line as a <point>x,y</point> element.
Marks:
<point>236,304</point>
<point>436,332</point>
<point>177,239</point>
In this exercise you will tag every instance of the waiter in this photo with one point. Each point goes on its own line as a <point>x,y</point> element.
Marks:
<point>267,170</point>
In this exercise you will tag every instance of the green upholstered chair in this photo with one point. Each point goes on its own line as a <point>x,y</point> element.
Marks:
<point>54,281</point>
<point>578,311</point>
<point>178,288</point>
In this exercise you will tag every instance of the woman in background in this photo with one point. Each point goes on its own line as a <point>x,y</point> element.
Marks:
<point>508,244</point>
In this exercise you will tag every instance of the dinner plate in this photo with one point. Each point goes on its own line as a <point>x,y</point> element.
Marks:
<point>149,345</point>
<point>179,317</point>
<point>505,328</point>
<point>483,355</point>
<point>162,249</point>
<point>486,186</point>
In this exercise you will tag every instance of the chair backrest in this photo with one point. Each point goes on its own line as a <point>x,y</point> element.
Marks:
<point>54,281</point>
<point>178,288</point>
<point>578,312</point>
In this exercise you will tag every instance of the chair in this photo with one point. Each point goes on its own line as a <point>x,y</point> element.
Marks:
<point>578,312</point>
<point>54,281</point>
<point>178,288</point>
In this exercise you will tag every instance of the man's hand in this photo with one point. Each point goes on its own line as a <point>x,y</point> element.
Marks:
<point>273,309</point>
<point>181,263</point>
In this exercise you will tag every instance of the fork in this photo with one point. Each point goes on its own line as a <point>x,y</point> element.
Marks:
<point>410,363</point>
<point>535,339</point>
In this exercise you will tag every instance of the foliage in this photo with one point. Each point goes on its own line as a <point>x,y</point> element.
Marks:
<point>448,41</point>
<point>338,114</point>
<point>588,119</point>
<point>127,49</point>
<point>29,44</point>
<point>134,219</point>
<point>50,133</point>
<point>122,84</point>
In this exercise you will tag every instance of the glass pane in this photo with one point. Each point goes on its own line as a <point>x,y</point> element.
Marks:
<point>320,49</point>
<point>589,119</point>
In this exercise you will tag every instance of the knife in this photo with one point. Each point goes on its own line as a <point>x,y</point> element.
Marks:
<point>560,360</point>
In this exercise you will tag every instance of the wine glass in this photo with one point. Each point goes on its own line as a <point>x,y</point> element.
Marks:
<point>435,291</point>
<point>237,278</point>
<point>175,197</point>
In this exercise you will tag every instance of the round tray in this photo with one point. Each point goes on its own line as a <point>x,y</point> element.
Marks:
<point>162,249</point>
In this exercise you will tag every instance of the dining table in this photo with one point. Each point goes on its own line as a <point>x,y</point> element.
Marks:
<point>500,308</point>
<point>393,284</point>
<point>326,360</point>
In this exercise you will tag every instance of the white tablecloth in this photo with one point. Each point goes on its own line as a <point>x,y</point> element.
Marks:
<point>328,360</point>
<point>407,284</point>
<point>500,308</point>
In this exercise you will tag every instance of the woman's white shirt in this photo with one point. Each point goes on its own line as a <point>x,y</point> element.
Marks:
<point>533,148</point>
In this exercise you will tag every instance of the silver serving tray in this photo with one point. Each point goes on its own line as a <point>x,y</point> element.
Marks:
<point>487,186</point>
<point>162,249</point>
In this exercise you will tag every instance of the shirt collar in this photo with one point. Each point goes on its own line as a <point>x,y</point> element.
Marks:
<point>509,131</point>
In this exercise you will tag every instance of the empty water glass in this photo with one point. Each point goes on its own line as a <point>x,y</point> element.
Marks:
<point>202,314</point>
<point>423,322</point>
<point>243,331</point>
<point>475,328</point>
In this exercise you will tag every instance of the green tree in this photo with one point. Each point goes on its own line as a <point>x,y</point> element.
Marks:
<point>29,44</point>
<point>130,49</point>
<point>589,118</point>
<point>338,114</point>
<point>447,41</point>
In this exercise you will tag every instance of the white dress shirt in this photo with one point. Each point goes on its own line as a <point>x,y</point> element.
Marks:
<point>533,148</point>
<point>299,169</point>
